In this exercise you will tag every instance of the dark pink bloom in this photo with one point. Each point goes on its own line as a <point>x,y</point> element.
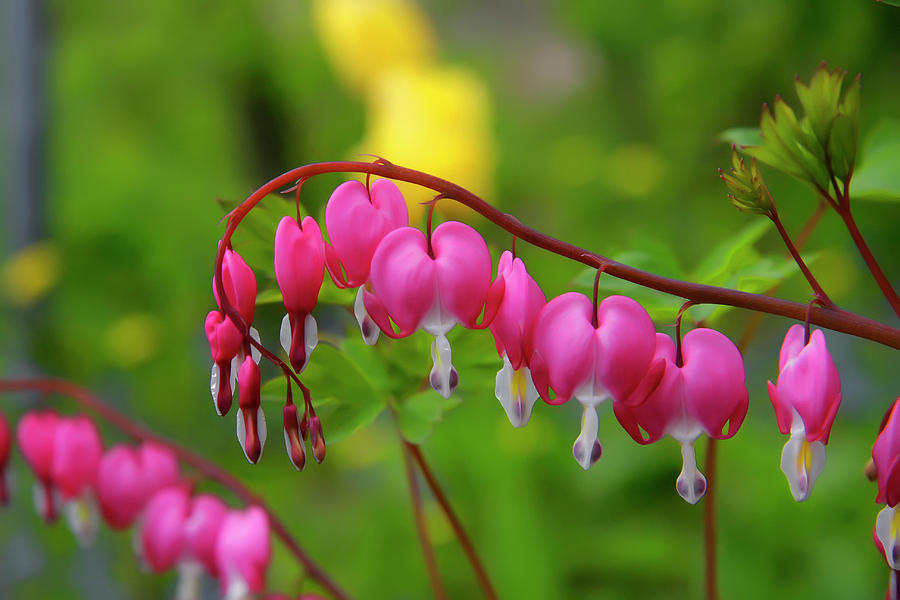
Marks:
<point>225,344</point>
<point>576,357</point>
<point>702,395</point>
<point>162,537</point>
<point>240,285</point>
<point>251,421</point>
<point>5,446</point>
<point>513,324</point>
<point>201,530</point>
<point>243,552</point>
<point>36,433</point>
<point>433,287</point>
<point>886,454</point>
<point>357,219</point>
<point>76,456</point>
<point>806,400</point>
<point>127,477</point>
<point>299,269</point>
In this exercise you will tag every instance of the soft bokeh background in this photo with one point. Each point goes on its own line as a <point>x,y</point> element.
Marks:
<point>594,121</point>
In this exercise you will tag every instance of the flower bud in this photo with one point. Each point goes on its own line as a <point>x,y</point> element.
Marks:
<point>251,422</point>
<point>293,443</point>
<point>316,438</point>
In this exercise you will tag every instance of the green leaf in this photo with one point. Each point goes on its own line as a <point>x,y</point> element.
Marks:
<point>343,394</point>
<point>890,2</point>
<point>418,414</point>
<point>741,136</point>
<point>878,175</point>
<point>727,256</point>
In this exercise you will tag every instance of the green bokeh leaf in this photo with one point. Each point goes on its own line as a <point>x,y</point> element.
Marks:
<point>878,175</point>
<point>741,136</point>
<point>418,414</point>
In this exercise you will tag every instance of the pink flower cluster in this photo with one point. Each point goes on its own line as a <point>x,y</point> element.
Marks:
<point>141,487</point>
<point>569,347</point>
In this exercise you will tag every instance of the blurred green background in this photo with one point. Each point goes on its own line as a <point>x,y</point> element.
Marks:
<point>593,121</point>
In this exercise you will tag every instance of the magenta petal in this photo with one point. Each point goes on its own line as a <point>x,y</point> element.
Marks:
<point>76,456</point>
<point>885,453</point>
<point>522,301</point>
<point>463,270</point>
<point>162,531</point>
<point>714,381</point>
<point>240,285</point>
<point>564,339</point>
<point>299,263</point>
<point>35,432</point>
<point>201,530</point>
<point>356,226</point>
<point>626,341</point>
<point>403,277</point>
<point>784,414</point>
<point>243,549</point>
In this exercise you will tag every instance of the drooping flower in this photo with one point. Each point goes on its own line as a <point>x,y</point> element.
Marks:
<point>36,433</point>
<point>251,421</point>
<point>127,477</point>
<point>701,394</point>
<point>433,286</point>
<point>243,551</point>
<point>201,531</point>
<point>162,535</point>
<point>806,400</point>
<point>522,301</point>
<point>592,356</point>
<point>299,269</point>
<point>227,346</point>
<point>77,450</point>
<point>886,454</point>
<point>357,219</point>
<point>5,446</point>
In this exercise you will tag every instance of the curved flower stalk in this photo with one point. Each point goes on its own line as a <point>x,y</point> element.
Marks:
<point>128,476</point>
<point>357,218</point>
<point>433,285</point>
<point>592,354</point>
<point>806,399</point>
<point>886,455</point>
<point>227,345</point>
<point>701,391</point>
<point>522,301</point>
<point>299,269</point>
<point>243,553</point>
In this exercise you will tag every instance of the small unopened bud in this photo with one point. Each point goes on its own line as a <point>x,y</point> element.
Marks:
<point>251,422</point>
<point>292,440</point>
<point>748,190</point>
<point>316,438</point>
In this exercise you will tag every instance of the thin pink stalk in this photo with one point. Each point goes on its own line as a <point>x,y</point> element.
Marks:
<point>434,574</point>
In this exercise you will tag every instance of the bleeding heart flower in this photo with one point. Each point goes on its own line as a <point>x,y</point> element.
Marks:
<point>240,285</point>
<point>522,301</point>
<point>700,394</point>
<point>592,358</point>
<point>127,477</point>
<point>886,454</point>
<point>299,269</point>
<point>36,433</point>
<point>162,542</point>
<point>201,530</point>
<point>433,287</point>
<point>243,552</point>
<point>357,219</point>
<point>76,457</point>
<point>806,400</point>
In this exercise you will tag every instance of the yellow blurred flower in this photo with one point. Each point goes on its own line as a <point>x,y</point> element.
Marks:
<point>132,339</point>
<point>30,273</point>
<point>434,120</point>
<point>362,38</point>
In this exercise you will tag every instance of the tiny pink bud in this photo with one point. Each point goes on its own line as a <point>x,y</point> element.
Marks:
<point>240,285</point>
<point>251,422</point>
<point>316,438</point>
<point>292,441</point>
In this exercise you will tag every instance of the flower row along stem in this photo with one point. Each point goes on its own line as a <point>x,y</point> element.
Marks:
<point>208,469</point>
<point>830,318</point>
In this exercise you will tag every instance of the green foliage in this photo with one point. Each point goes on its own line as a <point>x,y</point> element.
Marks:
<point>418,414</point>
<point>878,174</point>
<point>748,190</point>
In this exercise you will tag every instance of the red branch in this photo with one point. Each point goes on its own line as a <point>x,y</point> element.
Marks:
<point>209,469</point>
<point>830,318</point>
<point>415,497</point>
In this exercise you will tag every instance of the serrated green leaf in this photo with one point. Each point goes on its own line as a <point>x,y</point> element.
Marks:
<point>741,136</point>
<point>878,175</point>
<point>842,145</point>
<point>418,414</point>
<point>344,396</point>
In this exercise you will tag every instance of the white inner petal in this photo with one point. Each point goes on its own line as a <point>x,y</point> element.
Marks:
<point>516,392</point>
<point>437,321</point>
<point>886,529</point>
<point>284,335</point>
<point>190,575</point>
<point>81,516</point>
<point>214,386</point>
<point>310,337</point>
<point>254,353</point>
<point>260,429</point>
<point>801,461</point>
<point>691,484</point>
<point>587,448</point>
<point>591,392</point>
<point>367,326</point>
<point>443,376</point>
<point>237,587</point>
